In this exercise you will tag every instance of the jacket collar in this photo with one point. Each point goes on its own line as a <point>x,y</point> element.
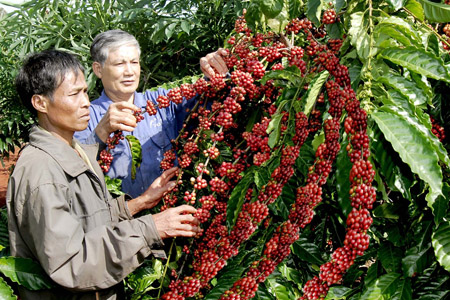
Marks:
<point>62,153</point>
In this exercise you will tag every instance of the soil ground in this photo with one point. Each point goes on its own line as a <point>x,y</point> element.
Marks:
<point>4,174</point>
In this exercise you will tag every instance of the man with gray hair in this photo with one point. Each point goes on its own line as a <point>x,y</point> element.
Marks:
<point>116,61</point>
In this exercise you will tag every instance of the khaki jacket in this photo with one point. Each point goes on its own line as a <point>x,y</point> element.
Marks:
<point>61,214</point>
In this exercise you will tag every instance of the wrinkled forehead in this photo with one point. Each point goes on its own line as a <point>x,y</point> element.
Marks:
<point>124,48</point>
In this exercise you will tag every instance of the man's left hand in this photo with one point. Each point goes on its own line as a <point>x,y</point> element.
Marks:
<point>151,197</point>
<point>214,63</point>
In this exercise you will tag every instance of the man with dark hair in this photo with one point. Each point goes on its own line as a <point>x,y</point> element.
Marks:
<point>59,210</point>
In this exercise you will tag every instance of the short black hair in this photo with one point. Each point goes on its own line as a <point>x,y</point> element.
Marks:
<point>42,73</point>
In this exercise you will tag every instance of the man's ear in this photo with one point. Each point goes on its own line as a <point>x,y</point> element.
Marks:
<point>97,68</point>
<point>39,103</point>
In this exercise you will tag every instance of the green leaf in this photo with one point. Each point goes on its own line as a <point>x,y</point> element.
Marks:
<point>441,244</point>
<point>394,177</point>
<point>399,29</point>
<point>307,251</point>
<point>343,167</point>
<point>290,74</point>
<point>136,153</point>
<point>274,129</point>
<point>185,26</point>
<point>359,36</point>
<point>141,279</point>
<point>373,273</point>
<point>25,272</point>
<point>314,88</point>
<point>225,282</point>
<point>416,9</point>
<point>396,4</point>
<point>415,116</point>
<point>413,148</point>
<point>390,257</point>
<point>406,87</point>
<point>272,8</point>
<point>290,274</point>
<point>253,16</point>
<point>416,260</point>
<point>418,61</point>
<point>262,177</point>
<point>237,197</point>
<point>339,5</point>
<point>382,288</point>
<point>314,9</point>
<point>338,292</point>
<point>280,291</point>
<point>441,204</point>
<point>170,29</point>
<point>6,292</point>
<point>436,12</point>
<point>114,185</point>
<point>388,211</point>
<point>278,23</point>
<point>404,290</point>
<point>263,293</point>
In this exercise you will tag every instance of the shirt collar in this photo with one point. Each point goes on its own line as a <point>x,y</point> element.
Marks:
<point>61,152</point>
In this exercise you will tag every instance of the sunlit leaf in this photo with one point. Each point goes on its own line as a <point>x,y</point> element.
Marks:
<point>396,4</point>
<point>406,87</point>
<point>338,293</point>
<point>314,88</point>
<point>413,148</point>
<point>6,292</point>
<point>441,244</point>
<point>436,12</point>
<point>418,61</point>
<point>382,288</point>
<point>237,198</point>
<point>416,9</point>
<point>26,272</point>
<point>136,154</point>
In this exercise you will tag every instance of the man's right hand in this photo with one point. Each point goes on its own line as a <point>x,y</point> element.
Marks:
<point>119,116</point>
<point>177,221</point>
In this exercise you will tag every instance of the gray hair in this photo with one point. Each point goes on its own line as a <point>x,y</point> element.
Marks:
<point>106,41</point>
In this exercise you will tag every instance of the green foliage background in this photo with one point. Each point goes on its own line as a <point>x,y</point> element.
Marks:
<point>400,72</point>
<point>173,35</point>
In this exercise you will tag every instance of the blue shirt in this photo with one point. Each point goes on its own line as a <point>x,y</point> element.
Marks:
<point>154,133</point>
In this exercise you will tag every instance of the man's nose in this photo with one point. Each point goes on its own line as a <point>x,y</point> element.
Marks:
<point>86,101</point>
<point>128,68</point>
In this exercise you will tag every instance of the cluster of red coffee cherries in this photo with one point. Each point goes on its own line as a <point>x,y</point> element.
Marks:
<point>106,157</point>
<point>217,244</point>
<point>209,173</point>
<point>437,129</point>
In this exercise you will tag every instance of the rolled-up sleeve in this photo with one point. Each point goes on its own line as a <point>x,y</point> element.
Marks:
<point>80,260</point>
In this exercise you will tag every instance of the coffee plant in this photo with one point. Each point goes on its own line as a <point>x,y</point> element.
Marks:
<point>319,164</point>
<point>282,148</point>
